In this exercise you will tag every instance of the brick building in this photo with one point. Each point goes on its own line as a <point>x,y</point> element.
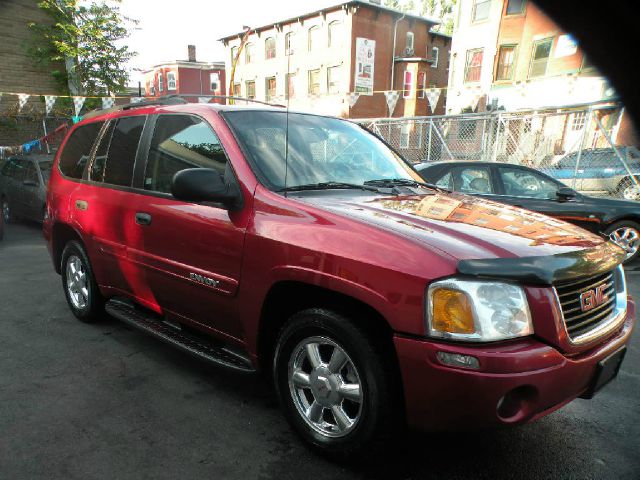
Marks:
<point>186,77</point>
<point>313,61</point>
<point>510,54</point>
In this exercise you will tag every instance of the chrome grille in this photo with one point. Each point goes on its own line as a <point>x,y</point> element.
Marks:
<point>576,320</point>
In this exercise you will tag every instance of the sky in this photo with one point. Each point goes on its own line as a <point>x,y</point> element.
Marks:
<point>166,27</point>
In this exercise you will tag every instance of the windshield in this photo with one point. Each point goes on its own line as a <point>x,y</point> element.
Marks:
<point>320,150</point>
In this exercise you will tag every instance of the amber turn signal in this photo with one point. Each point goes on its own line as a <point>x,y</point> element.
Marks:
<point>452,312</point>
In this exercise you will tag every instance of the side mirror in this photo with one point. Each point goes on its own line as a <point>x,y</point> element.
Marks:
<point>566,193</point>
<point>203,185</point>
<point>29,183</point>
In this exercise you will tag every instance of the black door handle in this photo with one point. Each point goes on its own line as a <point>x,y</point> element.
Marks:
<point>143,218</point>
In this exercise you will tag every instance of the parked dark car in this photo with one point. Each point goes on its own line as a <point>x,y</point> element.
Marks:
<point>528,188</point>
<point>23,187</point>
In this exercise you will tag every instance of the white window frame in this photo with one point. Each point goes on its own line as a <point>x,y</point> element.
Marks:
<point>406,93</point>
<point>160,82</point>
<point>336,69</point>
<point>171,81</point>
<point>435,56</point>
<point>422,92</point>
<point>410,41</point>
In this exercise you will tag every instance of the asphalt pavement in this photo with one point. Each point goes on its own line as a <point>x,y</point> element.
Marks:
<point>101,401</point>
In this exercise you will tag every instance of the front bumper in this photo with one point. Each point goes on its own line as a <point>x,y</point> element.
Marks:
<point>517,381</point>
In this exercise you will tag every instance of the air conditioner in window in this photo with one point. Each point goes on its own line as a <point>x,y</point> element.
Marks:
<point>409,52</point>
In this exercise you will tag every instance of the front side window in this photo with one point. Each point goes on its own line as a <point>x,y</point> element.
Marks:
<point>251,89</point>
<point>314,82</point>
<point>472,180</point>
<point>121,156</point>
<point>171,81</point>
<point>76,152</point>
<point>318,149</point>
<point>506,62</point>
<point>480,10</point>
<point>473,66</point>
<point>180,142</point>
<point>525,183</point>
<point>540,57</point>
<point>270,48</point>
<point>270,88</point>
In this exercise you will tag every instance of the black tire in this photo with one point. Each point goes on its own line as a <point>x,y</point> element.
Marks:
<point>92,309</point>
<point>7,212</point>
<point>380,413</point>
<point>630,226</point>
<point>628,189</point>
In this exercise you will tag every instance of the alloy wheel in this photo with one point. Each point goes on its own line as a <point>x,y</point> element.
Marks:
<point>628,238</point>
<point>325,386</point>
<point>77,282</point>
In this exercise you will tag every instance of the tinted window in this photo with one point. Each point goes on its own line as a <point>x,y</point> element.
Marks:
<point>76,152</point>
<point>18,170</point>
<point>96,172</point>
<point>179,142</point>
<point>122,150</point>
<point>472,180</point>
<point>445,181</point>
<point>525,183</point>
<point>30,174</point>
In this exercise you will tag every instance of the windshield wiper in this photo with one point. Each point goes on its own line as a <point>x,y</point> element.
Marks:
<point>328,186</point>
<point>399,182</point>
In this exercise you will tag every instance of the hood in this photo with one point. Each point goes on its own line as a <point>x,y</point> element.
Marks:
<point>464,227</point>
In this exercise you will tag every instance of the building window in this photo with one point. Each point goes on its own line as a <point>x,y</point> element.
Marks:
<point>405,132</point>
<point>473,65</point>
<point>333,79</point>
<point>248,52</point>
<point>335,34</point>
<point>171,81</point>
<point>515,7</point>
<point>234,53</point>
<point>506,62</point>
<point>251,89</point>
<point>270,48</point>
<point>435,56</point>
<point>314,82</point>
<point>540,57</point>
<point>314,38</point>
<point>214,81</point>
<point>236,90</point>
<point>422,83</point>
<point>407,85</point>
<point>152,87</point>
<point>409,46</point>
<point>290,86</point>
<point>480,10</point>
<point>160,82</point>
<point>288,43</point>
<point>579,120</point>
<point>270,88</point>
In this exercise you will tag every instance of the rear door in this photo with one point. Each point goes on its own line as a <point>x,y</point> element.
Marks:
<point>190,253</point>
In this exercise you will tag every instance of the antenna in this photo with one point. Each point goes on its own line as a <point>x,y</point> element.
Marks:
<point>286,129</point>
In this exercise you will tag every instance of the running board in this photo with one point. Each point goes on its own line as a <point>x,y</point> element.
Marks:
<point>155,326</point>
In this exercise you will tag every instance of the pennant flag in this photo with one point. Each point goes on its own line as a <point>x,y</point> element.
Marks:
<point>22,100</point>
<point>392,99</point>
<point>78,102</point>
<point>49,102</point>
<point>108,102</point>
<point>203,99</point>
<point>136,99</point>
<point>352,98</point>
<point>433,95</point>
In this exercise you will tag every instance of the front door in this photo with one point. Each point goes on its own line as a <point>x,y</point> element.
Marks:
<point>190,253</point>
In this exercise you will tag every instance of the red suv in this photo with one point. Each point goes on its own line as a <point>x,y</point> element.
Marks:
<point>305,247</point>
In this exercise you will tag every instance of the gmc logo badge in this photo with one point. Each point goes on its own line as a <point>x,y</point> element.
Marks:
<point>593,298</point>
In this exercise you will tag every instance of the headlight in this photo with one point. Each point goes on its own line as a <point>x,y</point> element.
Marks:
<point>477,311</point>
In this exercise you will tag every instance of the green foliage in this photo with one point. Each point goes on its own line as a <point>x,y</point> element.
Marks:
<point>85,37</point>
<point>441,9</point>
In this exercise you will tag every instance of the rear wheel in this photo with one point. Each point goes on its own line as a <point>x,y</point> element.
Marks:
<point>79,285</point>
<point>626,234</point>
<point>334,384</point>
<point>629,190</point>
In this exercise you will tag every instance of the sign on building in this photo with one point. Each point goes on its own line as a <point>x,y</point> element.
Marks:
<point>365,60</point>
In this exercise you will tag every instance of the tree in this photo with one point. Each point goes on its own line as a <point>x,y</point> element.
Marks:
<point>441,9</point>
<point>84,37</point>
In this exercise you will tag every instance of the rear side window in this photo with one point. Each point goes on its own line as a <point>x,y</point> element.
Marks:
<point>77,150</point>
<point>121,155</point>
<point>180,142</point>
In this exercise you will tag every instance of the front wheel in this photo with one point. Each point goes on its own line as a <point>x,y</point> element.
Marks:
<point>626,234</point>
<point>335,384</point>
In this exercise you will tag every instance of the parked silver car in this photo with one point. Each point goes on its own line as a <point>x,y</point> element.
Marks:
<point>23,187</point>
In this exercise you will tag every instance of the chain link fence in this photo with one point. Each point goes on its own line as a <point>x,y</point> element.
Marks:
<point>580,147</point>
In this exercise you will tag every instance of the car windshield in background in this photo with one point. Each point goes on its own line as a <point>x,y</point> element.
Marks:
<point>320,150</point>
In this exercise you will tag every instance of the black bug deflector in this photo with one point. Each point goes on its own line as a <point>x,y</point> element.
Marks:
<point>546,270</point>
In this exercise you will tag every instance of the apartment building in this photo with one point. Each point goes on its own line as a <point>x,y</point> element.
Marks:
<point>319,60</point>
<point>190,78</point>
<point>509,54</point>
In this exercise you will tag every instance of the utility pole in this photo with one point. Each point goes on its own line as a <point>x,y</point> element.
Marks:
<point>245,37</point>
